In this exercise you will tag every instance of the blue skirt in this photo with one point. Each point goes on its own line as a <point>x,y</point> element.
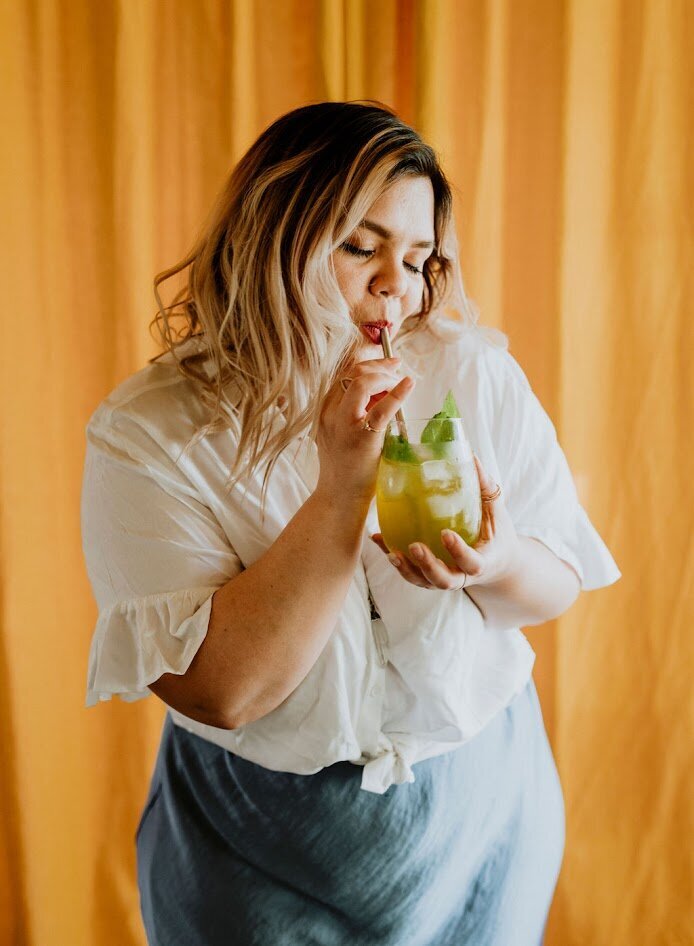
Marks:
<point>232,854</point>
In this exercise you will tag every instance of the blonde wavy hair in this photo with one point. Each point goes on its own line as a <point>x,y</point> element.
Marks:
<point>262,298</point>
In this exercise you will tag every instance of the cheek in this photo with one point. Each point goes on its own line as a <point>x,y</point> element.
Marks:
<point>415,296</point>
<point>347,277</point>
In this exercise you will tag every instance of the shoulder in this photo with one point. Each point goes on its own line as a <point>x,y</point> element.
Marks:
<point>472,347</point>
<point>156,403</point>
<point>474,361</point>
<point>499,378</point>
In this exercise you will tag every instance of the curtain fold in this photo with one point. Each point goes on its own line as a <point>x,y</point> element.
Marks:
<point>565,130</point>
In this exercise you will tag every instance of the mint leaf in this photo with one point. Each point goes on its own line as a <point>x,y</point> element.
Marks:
<point>450,408</point>
<point>438,429</point>
<point>398,449</point>
<point>438,432</point>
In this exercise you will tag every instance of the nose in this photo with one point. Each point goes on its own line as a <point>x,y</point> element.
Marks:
<point>390,281</point>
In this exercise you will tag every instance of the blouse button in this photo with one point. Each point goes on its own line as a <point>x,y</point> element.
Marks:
<point>375,691</point>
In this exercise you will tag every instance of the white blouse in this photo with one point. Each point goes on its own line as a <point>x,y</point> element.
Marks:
<point>160,536</point>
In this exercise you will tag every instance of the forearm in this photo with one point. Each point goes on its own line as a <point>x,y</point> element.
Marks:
<point>538,588</point>
<point>269,624</point>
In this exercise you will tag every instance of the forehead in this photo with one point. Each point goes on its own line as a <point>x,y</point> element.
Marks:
<point>407,206</point>
<point>407,198</point>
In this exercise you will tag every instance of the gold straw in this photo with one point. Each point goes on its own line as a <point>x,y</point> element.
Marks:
<point>388,352</point>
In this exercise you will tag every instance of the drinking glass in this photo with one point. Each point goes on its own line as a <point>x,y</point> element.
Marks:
<point>427,482</point>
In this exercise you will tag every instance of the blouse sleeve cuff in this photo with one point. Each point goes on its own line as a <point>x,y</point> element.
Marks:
<point>584,551</point>
<point>136,641</point>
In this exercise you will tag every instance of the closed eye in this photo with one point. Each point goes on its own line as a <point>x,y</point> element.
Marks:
<point>357,251</point>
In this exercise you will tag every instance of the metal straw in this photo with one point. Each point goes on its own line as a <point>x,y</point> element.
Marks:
<point>388,352</point>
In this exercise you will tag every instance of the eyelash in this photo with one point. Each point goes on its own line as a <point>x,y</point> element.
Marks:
<point>356,251</point>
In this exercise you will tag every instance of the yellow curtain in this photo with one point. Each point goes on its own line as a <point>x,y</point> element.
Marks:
<point>563,126</point>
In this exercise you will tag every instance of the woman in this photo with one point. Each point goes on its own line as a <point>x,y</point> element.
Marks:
<point>353,753</point>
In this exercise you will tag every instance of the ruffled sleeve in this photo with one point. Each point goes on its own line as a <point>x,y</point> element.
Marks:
<point>539,489</point>
<point>155,555</point>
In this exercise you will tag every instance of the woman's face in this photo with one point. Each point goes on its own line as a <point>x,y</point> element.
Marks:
<point>379,267</point>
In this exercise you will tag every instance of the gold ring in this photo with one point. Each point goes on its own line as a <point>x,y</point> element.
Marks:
<point>494,495</point>
<point>375,430</point>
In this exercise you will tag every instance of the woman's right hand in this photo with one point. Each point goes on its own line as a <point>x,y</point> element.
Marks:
<point>347,451</point>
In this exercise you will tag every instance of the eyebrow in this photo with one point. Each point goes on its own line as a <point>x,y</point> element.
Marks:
<point>387,235</point>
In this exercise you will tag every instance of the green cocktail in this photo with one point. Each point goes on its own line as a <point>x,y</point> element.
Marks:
<point>428,482</point>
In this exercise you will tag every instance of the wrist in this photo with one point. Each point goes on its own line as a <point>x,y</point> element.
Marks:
<point>340,504</point>
<point>337,495</point>
<point>340,521</point>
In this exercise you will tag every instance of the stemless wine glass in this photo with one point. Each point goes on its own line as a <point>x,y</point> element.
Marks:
<point>427,482</point>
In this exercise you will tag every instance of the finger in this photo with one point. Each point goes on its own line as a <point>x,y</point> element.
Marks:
<point>400,561</point>
<point>433,569</point>
<point>375,398</point>
<point>387,367</point>
<point>365,368</point>
<point>362,389</point>
<point>385,410</point>
<point>369,385</point>
<point>408,571</point>
<point>377,539</point>
<point>487,483</point>
<point>464,557</point>
<point>373,364</point>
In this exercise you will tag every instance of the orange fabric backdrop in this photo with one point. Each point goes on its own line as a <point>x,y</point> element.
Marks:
<point>563,126</point>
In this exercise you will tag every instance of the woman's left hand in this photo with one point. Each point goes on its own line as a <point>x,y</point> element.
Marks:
<point>494,555</point>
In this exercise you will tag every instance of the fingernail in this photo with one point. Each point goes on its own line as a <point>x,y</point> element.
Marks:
<point>417,550</point>
<point>447,536</point>
<point>394,560</point>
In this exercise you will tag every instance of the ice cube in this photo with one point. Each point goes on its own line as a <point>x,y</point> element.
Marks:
<point>446,505</point>
<point>424,451</point>
<point>435,471</point>
<point>393,481</point>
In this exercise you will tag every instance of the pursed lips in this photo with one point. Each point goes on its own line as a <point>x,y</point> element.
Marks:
<point>372,330</point>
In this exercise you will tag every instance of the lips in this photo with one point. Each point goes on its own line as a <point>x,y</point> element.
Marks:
<point>372,330</point>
